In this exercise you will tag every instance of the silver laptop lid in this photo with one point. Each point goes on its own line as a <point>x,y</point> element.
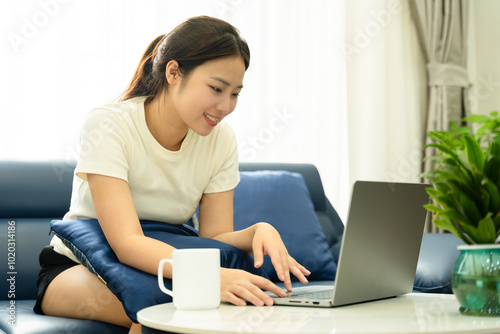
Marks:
<point>381,243</point>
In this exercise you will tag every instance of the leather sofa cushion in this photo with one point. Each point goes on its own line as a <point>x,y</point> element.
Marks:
<point>438,254</point>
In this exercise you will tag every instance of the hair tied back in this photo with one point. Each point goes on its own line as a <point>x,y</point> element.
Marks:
<point>192,43</point>
<point>158,52</point>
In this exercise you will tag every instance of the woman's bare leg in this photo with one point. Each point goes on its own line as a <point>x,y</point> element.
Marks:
<point>135,329</point>
<point>77,293</point>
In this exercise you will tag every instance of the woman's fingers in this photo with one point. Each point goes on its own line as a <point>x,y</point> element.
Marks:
<point>230,297</point>
<point>283,264</point>
<point>286,265</point>
<point>267,285</point>
<point>298,270</point>
<point>256,296</point>
<point>239,287</point>
<point>268,241</point>
<point>258,257</point>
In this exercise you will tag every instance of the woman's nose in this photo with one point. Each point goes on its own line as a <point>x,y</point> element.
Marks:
<point>224,106</point>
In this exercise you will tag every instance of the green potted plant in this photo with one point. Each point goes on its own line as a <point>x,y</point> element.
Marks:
<point>466,202</point>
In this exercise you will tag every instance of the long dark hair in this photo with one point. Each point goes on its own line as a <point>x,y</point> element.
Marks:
<point>192,43</point>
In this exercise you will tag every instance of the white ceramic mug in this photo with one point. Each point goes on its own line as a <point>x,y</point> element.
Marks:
<point>195,278</point>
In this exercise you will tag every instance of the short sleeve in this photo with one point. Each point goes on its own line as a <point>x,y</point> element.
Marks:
<point>103,146</point>
<point>226,175</point>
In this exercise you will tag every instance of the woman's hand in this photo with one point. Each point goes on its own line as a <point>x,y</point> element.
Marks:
<point>239,286</point>
<point>266,240</point>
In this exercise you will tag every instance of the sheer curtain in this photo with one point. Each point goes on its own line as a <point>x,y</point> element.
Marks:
<point>386,85</point>
<point>61,58</point>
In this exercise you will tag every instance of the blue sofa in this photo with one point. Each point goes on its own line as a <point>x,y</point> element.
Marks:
<point>34,193</point>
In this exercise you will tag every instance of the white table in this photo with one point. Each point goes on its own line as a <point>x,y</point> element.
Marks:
<point>412,313</point>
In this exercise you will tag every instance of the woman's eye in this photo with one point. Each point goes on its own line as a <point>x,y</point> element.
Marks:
<point>236,94</point>
<point>218,90</point>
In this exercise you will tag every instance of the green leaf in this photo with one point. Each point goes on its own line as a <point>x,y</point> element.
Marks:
<point>492,168</point>
<point>442,186</point>
<point>446,225</point>
<point>458,131</point>
<point>492,190</point>
<point>486,231</point>
<point>433,208</point>
<point>474,153</point>
<point>471,232</point>
<point>465,166</point>
<point>444,149</point>
<point>485,130</point>
<point>455,217</point>
<point>496,221</point>
<point>445,201</point>
<point>443,195</point>
<point>442,137</point>
<point>485,202</point>
<point>470,209</point>
<point>433,192</point>
<point>463,198</point>
<point>494,149</point>
<point>461,175</point>
<point>462,187</point>
<point>456,175</point>
<point>478,118</point>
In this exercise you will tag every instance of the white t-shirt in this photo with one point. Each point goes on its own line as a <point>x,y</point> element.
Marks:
<point>166,186</point>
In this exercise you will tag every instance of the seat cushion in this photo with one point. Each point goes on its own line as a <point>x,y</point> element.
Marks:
<point>281,198</point>
<point>28,322</point>
<point>438,255</point>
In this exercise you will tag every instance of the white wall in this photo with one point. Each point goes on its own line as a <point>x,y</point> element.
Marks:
<point>484,56</point>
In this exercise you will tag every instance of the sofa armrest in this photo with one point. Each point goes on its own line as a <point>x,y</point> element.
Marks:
<point>438,254</point>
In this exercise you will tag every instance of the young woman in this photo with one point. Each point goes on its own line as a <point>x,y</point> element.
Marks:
<point>156,155</point>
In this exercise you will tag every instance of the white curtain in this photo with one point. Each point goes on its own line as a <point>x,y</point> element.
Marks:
<point>386,91</point>
<point>59,59</point>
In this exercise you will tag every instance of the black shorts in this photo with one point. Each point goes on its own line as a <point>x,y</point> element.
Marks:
<point>51,265</point>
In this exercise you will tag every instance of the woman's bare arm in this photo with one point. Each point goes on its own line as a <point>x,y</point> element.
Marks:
<point>118,218</point>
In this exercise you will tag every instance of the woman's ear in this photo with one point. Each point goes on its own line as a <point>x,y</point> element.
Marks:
<point>172,72</point>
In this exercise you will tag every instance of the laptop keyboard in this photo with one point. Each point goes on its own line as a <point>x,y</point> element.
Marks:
<point>317,295</point>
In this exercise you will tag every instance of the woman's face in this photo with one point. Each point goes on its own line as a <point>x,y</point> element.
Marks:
<point>209,93</point>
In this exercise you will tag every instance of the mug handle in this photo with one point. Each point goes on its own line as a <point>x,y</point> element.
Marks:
<point>160,277</point>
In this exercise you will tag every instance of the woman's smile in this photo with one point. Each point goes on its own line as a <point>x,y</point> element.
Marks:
<point>212,120</point>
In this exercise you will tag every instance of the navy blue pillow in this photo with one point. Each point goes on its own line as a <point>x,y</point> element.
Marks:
<point>134,288</point>
<point>282,199</point>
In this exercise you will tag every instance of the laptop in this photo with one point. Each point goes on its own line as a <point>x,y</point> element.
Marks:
<point>380,247</point>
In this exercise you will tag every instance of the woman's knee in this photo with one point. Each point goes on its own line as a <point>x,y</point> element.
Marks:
<point>77,293</point>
